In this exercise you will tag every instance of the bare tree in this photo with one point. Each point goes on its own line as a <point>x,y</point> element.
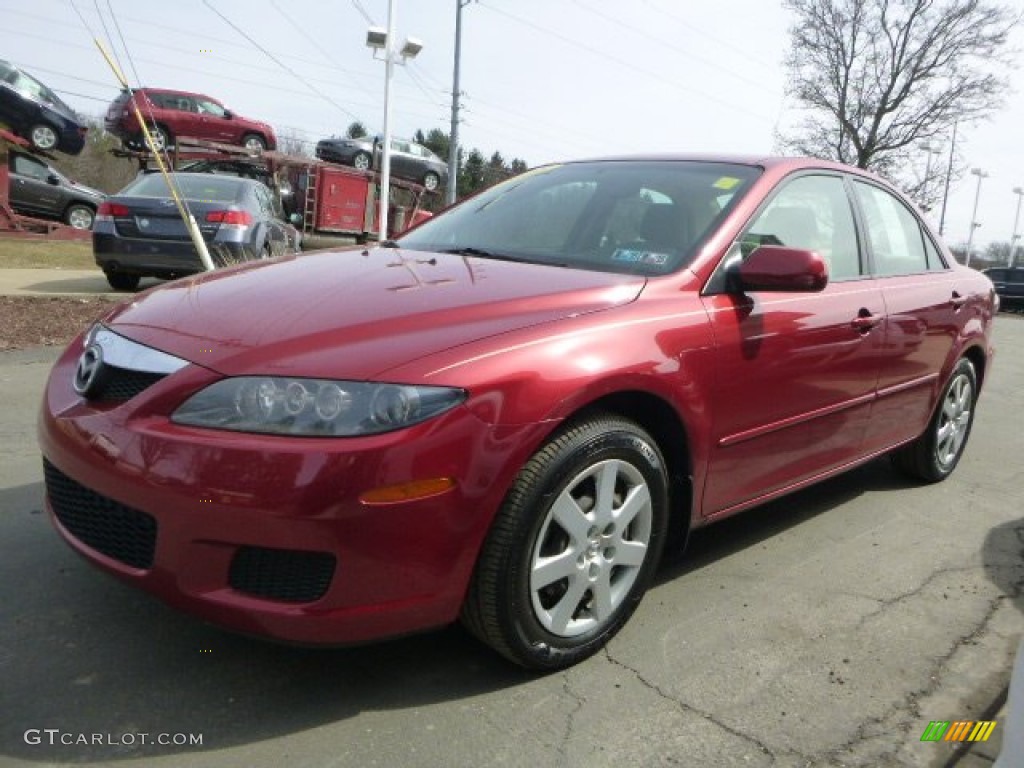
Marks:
<point>879,76</point>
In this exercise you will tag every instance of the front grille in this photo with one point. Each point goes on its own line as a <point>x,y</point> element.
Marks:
<point>121,384</point>
<point>282,574</point>
<point>118,531</point>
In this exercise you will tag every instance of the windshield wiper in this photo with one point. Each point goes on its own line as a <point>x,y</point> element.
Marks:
<point>389,244</point>
<point>483,253</point>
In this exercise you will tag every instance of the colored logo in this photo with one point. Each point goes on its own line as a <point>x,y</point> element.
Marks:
<point>958,730</point>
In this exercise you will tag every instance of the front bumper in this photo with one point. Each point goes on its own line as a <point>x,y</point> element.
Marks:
<point>267,535</point>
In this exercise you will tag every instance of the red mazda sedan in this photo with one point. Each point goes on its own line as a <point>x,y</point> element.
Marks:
<point>508,413</point>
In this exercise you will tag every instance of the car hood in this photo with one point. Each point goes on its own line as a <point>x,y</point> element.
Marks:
<point>90,191</point>
<point>357,313</point>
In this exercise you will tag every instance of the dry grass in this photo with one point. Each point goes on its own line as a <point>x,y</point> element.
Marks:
<point>42,254</point>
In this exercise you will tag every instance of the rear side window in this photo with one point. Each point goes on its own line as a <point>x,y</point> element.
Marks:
<point>893,232</point>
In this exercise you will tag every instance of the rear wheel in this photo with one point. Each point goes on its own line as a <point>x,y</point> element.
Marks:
<point>431,181</point>
<point>361,161</point>
<point>573,547</point>
<point>161,138</point>
<point>122,282</point>
<point>935,454</point>
<point>43,136</point>
<point>79,216</point>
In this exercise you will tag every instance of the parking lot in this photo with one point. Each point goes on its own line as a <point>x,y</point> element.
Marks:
<point>827,628</point>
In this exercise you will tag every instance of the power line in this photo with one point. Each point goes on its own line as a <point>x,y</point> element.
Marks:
<point>619,23</point>
<point>622,62</point>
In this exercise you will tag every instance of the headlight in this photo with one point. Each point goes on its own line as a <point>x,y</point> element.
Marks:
<point>313,407</point>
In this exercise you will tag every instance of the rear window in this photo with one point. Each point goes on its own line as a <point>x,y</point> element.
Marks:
<point>207,187</point>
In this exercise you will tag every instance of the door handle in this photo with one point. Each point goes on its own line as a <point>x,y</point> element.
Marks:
<point>958,300</point>
<point>865,321</point>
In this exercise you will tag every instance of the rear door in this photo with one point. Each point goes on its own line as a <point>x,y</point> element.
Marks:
<point>30,187</point>
<point>795,372</point>
<point>925,312</point>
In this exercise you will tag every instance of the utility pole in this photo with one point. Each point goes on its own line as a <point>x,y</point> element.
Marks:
<point>453,138</point>
<point>949,175</point>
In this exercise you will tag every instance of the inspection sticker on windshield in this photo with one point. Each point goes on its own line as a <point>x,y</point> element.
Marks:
<point>726,182</point>
<point>640,257</point>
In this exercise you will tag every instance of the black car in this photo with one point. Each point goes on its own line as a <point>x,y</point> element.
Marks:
<point>409,160</point>
<point>1009,283</point>
<point>36,113</point>
<point>39,189</point>
<point>139,233</point>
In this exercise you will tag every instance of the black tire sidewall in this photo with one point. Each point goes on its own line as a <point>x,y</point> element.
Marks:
<point>522,628</point>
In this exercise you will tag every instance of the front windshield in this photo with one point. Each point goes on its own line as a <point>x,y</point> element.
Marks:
<point>640,217</point>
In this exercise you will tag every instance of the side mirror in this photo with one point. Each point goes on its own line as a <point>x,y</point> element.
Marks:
<point>780,268</point>
<point>295,219</point>
<point>54,179</point>
<point>228,114</point>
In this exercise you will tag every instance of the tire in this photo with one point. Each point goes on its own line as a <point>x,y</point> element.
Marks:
<point>79,216</point>
<point>254,142</point>
<point>431,181</point>
<point>161,138</point>
<point>554,583</point>
<point>122,282</point>
<point>266,253</point>
<point>934,455</point>
<point>43,136</point>
<point>361,161</point>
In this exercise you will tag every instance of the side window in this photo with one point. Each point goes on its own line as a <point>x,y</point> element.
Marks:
<point>935,261</point>
<point>812,213</point>
<point>26,166</point>
<point>207,107</point>
<point>897,243</point>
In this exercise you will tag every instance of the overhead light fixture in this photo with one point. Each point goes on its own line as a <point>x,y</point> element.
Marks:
<point>376,38</point>
<point>412,47</point>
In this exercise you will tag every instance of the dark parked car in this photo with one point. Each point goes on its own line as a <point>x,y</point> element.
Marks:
<point>139,232</point>
<point>39,189</point>
<point>36,113</point>
<point>179,113</point>
<point>508,413</point>
<point>1009,283</point>
<point>409,160</point>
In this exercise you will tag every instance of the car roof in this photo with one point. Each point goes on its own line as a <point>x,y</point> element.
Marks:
<point>776,163</point>
<point>175,90</point>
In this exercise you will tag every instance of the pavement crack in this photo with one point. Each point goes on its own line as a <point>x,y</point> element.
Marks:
<point>906,715</point>
<point>570,720</point>
<point>689,708</point>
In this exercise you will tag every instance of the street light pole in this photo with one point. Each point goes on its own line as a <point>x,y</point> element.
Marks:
<point>974,216</point>
<point>451,190</point>
<point>384,40</point>
<point>1016,235</point>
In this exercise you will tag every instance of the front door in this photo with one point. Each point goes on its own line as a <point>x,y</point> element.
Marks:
<point>795,372</point>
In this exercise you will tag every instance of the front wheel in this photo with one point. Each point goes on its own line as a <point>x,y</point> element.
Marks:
<point>254,142</point>
<point>79,216</point>
<point>573,547</point>
<point>935,454</point>
<point>43,136</point>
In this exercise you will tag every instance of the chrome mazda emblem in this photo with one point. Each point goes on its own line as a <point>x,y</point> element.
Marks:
<point>87,374</point>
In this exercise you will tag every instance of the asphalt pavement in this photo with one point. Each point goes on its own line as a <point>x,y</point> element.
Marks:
<point>824,629</point>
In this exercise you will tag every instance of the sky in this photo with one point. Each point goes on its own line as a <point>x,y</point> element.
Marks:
<point>543,80</point>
